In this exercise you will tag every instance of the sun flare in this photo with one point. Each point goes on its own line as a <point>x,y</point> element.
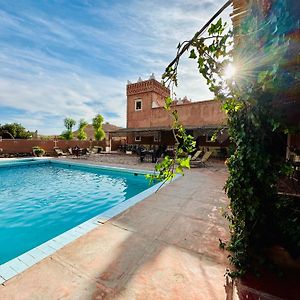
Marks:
<point>229,71</point>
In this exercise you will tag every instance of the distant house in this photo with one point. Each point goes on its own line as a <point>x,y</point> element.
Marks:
<point>107,127</point>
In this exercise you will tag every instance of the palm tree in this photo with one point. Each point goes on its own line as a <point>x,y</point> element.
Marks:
<point>68,133</point>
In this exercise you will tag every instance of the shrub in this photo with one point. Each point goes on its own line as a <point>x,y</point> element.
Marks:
<point>38,151</point>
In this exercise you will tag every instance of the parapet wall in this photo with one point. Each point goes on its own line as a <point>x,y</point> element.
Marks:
<point>203,113</point>
<point>195,114</point>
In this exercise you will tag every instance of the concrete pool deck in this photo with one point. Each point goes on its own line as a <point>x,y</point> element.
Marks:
<point>165,247</point>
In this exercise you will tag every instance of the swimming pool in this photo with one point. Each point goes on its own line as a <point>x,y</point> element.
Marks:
<point>17,160</point>
<point>42,199</point>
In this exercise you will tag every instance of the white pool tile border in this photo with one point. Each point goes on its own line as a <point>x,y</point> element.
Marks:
<point>26,260</point>
<point>13,162</point>
<point>30,158</point>
<point>105,167</point>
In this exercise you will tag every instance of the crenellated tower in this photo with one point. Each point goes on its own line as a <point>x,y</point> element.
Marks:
<point>142,96</point>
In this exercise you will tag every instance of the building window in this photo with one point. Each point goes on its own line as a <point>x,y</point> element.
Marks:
<point>138,138</point>
<point>138,104</point>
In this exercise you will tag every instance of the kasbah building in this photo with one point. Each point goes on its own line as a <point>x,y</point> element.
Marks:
<point>148,123</point>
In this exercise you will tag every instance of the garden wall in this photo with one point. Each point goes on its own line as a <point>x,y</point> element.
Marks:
<point>25,146</point>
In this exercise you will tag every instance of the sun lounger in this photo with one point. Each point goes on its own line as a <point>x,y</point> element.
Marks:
<point>94,150</point>
<point>196,156</point>
<point>60,152</point>
<point>201,162</point>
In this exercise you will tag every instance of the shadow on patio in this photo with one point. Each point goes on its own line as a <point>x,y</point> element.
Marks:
<point>165,247</point>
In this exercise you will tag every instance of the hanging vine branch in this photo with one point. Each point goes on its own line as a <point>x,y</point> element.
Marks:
<point>254,125</point>
<point>171,70</point>
<point>210,48</point>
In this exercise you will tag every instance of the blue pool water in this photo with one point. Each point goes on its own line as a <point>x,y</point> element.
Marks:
<point>39,201</point>
<point>16,161</point>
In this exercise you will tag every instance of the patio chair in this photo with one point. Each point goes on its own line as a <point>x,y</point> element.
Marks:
<point>87,152</point>
<point>95,150</point>
<point>83,153</point>
<point>159,153</point>
<point>202,161</point>
<point>77,151</point>
<point>60,152</point>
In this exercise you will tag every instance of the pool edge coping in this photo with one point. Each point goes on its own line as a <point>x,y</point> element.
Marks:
<point>26,260</point>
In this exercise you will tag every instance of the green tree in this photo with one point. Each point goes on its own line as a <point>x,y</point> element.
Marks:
<point>14,130</point>
<point>81,130</point>
<point>98,130</point>
<point>69,124</point>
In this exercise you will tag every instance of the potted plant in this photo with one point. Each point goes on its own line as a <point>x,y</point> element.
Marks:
<point>38,151</point>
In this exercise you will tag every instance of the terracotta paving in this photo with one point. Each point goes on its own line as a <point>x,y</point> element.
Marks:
<point>165,247</point>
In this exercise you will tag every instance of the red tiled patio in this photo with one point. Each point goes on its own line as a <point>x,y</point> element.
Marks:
<point>165,247</point>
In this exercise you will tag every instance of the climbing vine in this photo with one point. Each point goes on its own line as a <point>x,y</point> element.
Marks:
<point>184,145</point>
<point>256,128</point>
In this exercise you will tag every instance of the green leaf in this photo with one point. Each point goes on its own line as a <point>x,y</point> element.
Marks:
<point>262,76</point>
<point>185,163</point>
<point>193,54</point>
<point>168,102</point>
<point>179,170</point>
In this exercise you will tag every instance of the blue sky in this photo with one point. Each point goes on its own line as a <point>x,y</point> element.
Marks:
<point>72,58</point>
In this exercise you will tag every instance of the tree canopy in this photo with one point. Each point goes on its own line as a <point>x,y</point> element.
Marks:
<point>14,130</point>
<point>81,133</point>
<point>69,124</point>
<point>98,130</point>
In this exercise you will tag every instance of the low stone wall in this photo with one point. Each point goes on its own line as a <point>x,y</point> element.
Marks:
<point>25,146</point>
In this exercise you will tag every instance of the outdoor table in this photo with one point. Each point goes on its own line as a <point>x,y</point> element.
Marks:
<point>77,151</point>
<point>147,155</point>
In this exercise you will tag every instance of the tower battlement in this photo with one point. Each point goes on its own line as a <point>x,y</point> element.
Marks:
<point>150,85</point>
